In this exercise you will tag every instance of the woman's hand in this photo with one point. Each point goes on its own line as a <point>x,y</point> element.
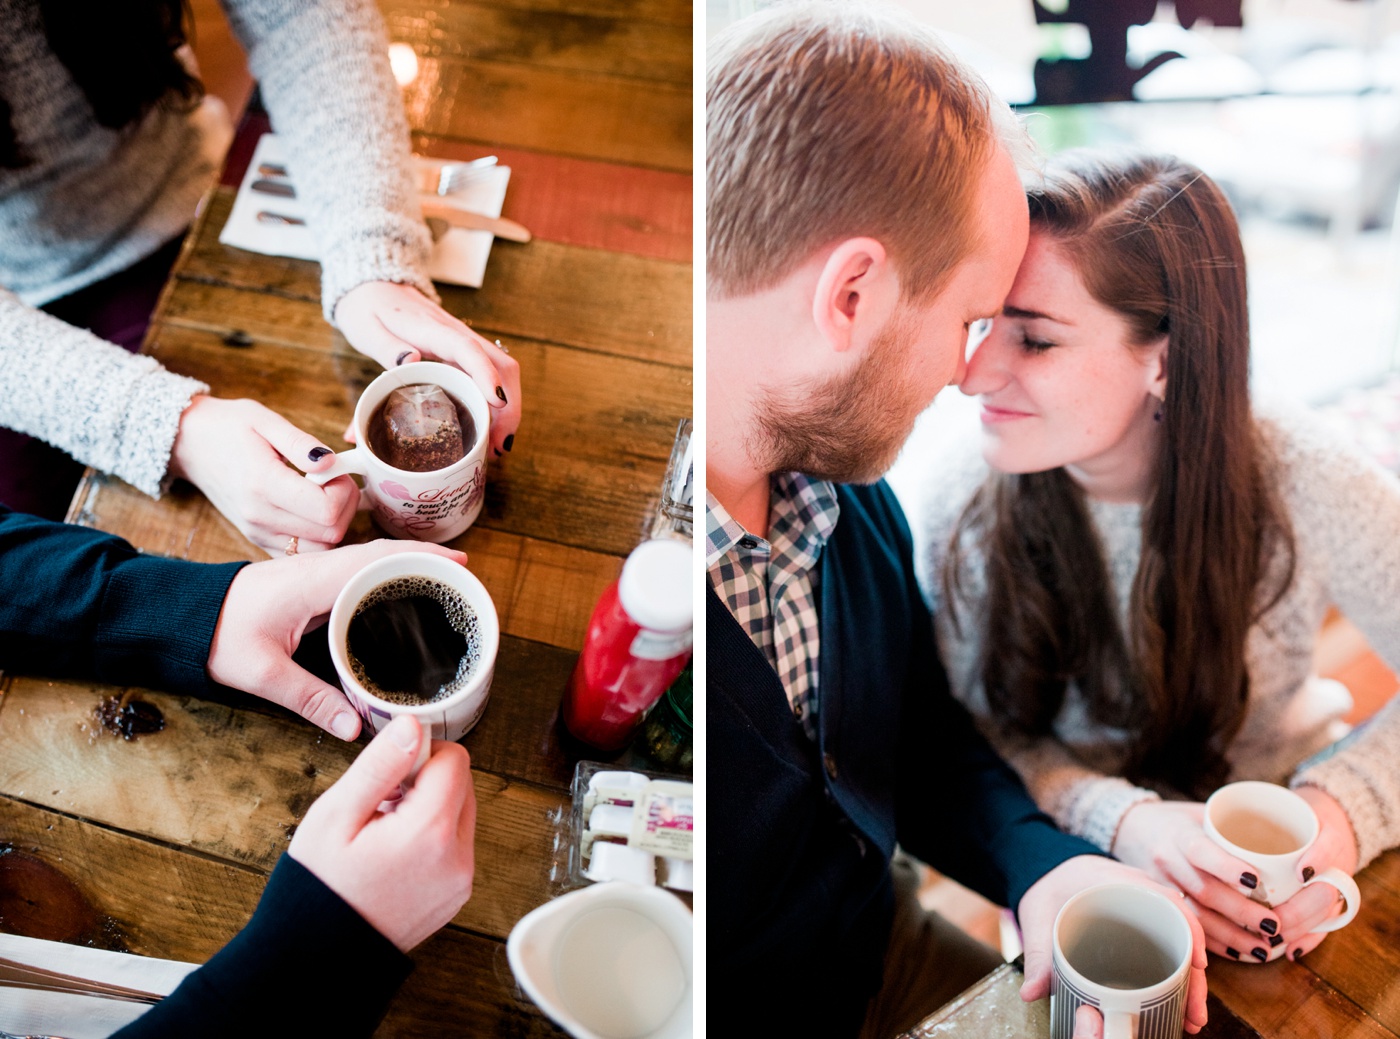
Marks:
<point>396,324</point>
<point>1335,847</point>
<point>1166,840</point>
<point>234,451</point>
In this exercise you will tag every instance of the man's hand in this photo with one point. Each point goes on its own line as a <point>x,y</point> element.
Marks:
<point>406,872</point>
<point>270,605</point>
<point>396,324</point>
<point>233,451</point>
<point>1041,904</point>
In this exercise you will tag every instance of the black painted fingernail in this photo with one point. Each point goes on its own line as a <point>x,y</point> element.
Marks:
<point>1296,955</point>
<point>318,453</point>
<point>1269,926</point>
<point>1259,954</point>
<point>403,357</point>
<point>1233,952</point>
<point>502,394</point>
<point>498,451</point>
<point>1275,941</point>
<point>1249,880</point>
<point>1308,872</point>
<point>509,442</point>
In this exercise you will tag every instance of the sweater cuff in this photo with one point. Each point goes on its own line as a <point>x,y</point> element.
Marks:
<point>1097,819</point>
<point>172,655</point>
<point>1365,809</point>
<point>147,437</point>
<point>379,247</point>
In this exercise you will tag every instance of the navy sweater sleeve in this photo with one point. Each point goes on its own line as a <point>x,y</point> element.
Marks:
<point>306,964</point>
<point>76,602</point>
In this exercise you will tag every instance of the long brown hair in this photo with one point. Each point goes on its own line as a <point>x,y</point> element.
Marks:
<point>1154,239</point>
<point>122,55</point>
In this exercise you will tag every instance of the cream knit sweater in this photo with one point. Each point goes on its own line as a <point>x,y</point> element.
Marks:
<point>97,200</point>
<point>1345,512</point>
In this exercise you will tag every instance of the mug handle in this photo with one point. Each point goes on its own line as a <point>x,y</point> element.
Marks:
<point>1119,1024</point>
<point>346,463</point>
<point>1349,891</point>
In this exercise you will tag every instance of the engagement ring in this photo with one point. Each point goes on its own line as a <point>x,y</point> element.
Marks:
<point>504,350</point>
<point>291,548</point>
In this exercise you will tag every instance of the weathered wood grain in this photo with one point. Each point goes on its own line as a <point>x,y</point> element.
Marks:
<point>600,205</point>
<point>602,301</point>
<point>1284,1000</point>
<point>670,12</point>
<point>639,122</point>
<point>163,902</point>
<point>233,782</point>
<point>589,42</point>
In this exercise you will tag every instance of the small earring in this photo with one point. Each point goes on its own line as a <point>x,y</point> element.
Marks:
<point>1157,414</point>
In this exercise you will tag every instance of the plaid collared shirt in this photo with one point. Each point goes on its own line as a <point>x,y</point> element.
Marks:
<point>771,586</point>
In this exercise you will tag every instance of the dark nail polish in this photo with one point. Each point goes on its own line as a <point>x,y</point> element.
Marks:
<point>318,453</point>
<point>1249,880</point>
<point>1269,926</point>
<point>403,357</point>
<point>502,394</point>
<point>509,442</point>
<point>1275,941</point>
<point>1296,955</point>
<point>1308,872</point>
<point>1259,954</point>
<point>1234,953</point>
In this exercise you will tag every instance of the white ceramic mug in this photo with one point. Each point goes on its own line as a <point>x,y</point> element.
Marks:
<point>433,506</point>
<point>1271,828</point>
<point>1126,950</point>
<point>453,716</point>
<point>609,960</point>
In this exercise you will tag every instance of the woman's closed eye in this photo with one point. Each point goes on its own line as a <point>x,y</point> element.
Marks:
<point>1032,345</point>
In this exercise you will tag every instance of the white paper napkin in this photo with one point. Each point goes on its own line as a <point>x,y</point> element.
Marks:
<point>459,256</point>
<point>81,1017</point>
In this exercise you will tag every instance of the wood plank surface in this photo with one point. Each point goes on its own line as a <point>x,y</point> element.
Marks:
<point>1363,961</point>
<point>573,41</point>
<point>609,302</point>
<point>670,12</point>
<point>635,121</point>
<point>1283,1000</point>
<point>159,901</point>
<point>600,205</point>
<point>233,782</point>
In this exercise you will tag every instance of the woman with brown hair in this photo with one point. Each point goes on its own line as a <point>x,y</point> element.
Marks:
<point>1128,600</point>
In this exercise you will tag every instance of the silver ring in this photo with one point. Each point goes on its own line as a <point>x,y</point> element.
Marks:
<point>504,350</point>
<point>291,548</point>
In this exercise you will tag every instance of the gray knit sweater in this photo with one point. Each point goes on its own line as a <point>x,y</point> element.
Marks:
<point>1345,512</point>
<point>95,201</point>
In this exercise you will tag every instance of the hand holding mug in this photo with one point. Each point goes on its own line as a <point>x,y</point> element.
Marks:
<point>396,324</point>
<point>1335,848</point>
<point>267,609</point>
<point>364,855</point>
<point>1167,840</point>
<point>1042,903</point>
<point>234,451</point>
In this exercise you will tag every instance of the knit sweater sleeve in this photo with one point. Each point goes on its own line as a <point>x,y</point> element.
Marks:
<point>1082,799</point>
<point>115,411</point>
<point>1345,511</point>
<point>324,72</point>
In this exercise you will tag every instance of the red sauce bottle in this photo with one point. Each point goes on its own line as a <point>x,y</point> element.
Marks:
<point>638,641</point>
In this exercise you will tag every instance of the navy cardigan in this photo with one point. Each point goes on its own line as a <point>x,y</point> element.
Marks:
<point>800,898</point>
<point>78,603</point>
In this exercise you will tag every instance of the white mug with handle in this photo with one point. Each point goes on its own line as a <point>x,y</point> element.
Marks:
<point>431,506</point>
<point>1271,828</point>
<point>1125,950</point>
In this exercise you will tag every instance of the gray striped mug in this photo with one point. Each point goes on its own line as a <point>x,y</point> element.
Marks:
<point>1126,950</point>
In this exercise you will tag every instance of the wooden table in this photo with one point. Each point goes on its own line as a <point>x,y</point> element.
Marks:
<point>171,837</point>
<point>1346,988</point>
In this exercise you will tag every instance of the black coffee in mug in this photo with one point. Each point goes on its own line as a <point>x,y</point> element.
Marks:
<point>413,640</point>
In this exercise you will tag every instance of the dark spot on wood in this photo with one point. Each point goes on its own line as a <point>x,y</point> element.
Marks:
<point>238,338</point>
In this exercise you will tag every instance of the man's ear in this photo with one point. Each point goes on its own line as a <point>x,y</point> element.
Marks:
<point>855,286</point>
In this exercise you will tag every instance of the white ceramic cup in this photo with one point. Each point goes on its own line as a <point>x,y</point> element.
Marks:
<point>609,960</point>
<point>452,717</point>
<point>1126,950</point>
<point>433,506</point>
<point>1271,828</point>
